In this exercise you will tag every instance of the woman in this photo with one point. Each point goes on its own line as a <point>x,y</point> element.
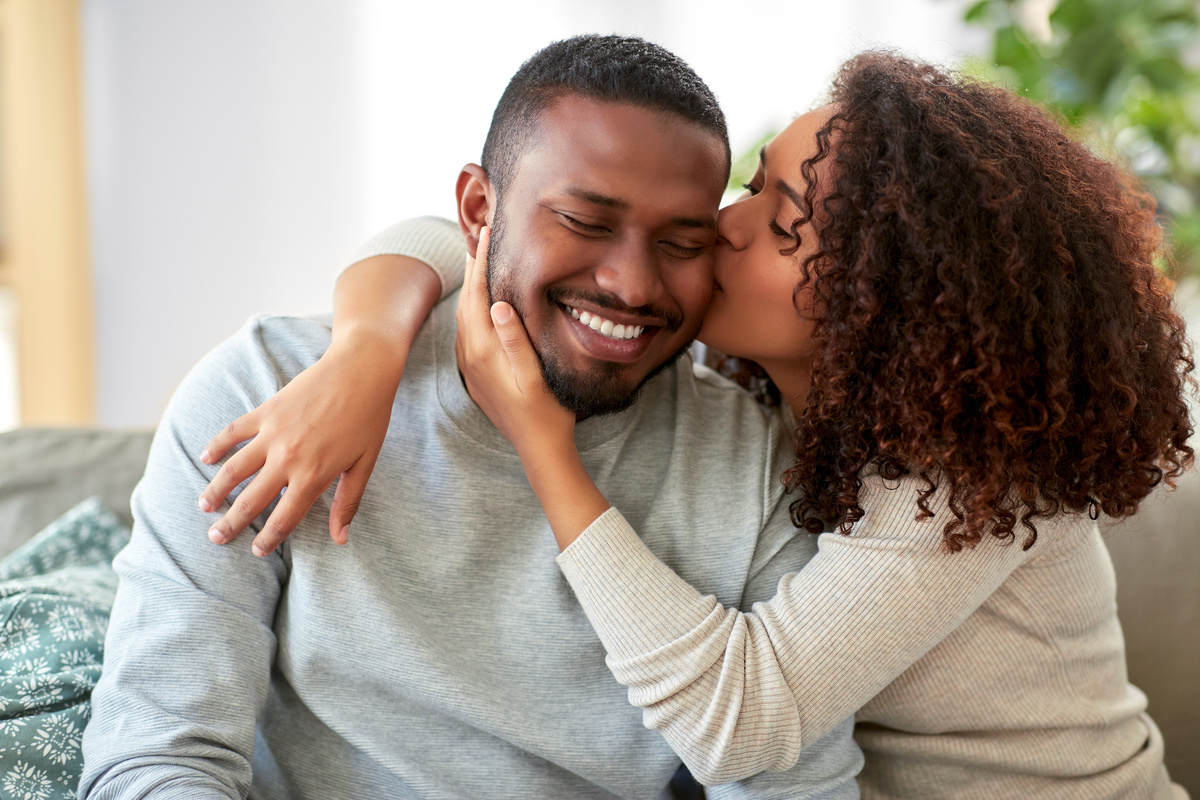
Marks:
<point>960,307</point>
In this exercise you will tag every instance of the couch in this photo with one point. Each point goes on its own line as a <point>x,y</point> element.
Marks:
<point>44,472</point>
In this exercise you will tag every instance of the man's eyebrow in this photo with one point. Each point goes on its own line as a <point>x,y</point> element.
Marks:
<point>695,222</point>
<point>595,198</point>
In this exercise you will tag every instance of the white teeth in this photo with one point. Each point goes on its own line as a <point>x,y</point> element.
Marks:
<point>606,327</point>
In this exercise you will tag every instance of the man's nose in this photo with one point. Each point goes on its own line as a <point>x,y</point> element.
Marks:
<point>632,275</point>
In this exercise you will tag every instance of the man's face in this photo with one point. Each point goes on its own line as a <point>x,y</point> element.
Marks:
<point>603,244</point>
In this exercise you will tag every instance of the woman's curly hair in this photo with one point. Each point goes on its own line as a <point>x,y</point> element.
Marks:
<point>989,314</point>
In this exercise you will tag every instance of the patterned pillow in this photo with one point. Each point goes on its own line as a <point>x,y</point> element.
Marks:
<point>56,593</point>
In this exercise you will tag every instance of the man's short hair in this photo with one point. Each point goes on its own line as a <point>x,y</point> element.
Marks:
<point>616,69</point>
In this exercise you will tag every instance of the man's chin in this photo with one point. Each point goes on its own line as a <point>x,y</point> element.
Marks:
<point>605,390</point>
<point>591,396</point>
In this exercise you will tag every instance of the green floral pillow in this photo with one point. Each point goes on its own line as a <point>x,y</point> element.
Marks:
<point>56,593</point>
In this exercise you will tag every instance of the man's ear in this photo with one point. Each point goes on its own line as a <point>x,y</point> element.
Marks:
<point>476,203</point>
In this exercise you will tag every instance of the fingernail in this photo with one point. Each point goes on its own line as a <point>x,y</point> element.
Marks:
<point>215,536</point>
<point>258,551</point>
<point>205,457</point>
<point>205,506</point>
<point>344,534</point>
<point>501,313</point>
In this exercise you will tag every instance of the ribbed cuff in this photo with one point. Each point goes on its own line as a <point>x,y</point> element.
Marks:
<point>635,602</point>
<point>433,240</point>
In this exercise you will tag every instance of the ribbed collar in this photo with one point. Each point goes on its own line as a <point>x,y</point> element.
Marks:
<point>465,414</point>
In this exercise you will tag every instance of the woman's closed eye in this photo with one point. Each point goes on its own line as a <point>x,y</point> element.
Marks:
<point>779,231</point>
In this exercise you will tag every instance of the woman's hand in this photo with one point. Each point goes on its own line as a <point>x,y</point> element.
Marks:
<point>504,377</point>
<point>332,418</point>
<point>502,371</point>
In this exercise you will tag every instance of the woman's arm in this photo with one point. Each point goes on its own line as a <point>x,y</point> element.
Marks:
<point>736,693</point>
<point>332,418</point>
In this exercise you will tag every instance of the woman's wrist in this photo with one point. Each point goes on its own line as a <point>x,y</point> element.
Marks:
<point>563,486</point>
<point>371,353</point>
<point>549,455</point>
<point>376,337</point>
<point>381,302</point>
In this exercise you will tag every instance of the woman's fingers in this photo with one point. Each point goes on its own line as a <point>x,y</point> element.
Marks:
<point>243,428</point>
<point>288,513</point>
<point>347,498</point>
<point>239,467</point>
<point>526,368</point>
<point>476,342</point>
<point>479,277</point>
<point>249,504</point>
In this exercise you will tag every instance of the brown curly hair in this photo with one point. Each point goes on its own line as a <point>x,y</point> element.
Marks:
<point>988,312</point>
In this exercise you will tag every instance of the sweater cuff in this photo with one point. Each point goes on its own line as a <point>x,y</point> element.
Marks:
<point>433,240</point>
<point>635,602</point>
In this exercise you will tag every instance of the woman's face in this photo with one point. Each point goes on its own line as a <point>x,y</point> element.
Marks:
<point>753,312</point>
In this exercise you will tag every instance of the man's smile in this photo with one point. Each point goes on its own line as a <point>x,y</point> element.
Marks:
<point>605,326</point>
<point>609,336</point>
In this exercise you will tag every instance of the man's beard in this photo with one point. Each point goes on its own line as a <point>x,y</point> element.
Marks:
<point>589,393</point>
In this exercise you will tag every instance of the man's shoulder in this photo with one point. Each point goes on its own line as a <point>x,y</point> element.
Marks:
<point>709,402</point>
<point>292,343</point>
<point>284,344</point>
<point>247,368</point>
<point>713,421</point>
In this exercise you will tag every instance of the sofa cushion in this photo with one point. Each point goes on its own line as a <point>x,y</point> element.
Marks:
<point>46,471</point>
<point>1155,554</point>
<point>56,594</point>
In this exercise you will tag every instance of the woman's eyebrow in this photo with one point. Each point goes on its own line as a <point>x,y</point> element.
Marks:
<point>791,193</point>
<point>781,184</point>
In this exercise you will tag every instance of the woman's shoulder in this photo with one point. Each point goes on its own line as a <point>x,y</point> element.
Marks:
<point>917,507</point>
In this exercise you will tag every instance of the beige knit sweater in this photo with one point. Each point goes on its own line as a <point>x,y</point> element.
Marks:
<point>990,673</point>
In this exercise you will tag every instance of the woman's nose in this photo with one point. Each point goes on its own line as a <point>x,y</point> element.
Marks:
<point>731,227</point>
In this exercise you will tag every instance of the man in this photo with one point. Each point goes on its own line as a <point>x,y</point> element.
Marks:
<point>442,654</point>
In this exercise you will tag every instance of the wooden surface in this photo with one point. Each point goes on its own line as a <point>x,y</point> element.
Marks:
<point>44,201</point>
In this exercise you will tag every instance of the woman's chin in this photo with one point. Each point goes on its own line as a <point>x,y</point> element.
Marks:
<point>714,338</point>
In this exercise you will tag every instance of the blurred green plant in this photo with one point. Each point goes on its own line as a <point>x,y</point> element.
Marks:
<point>1127,73</point>
<point>742,170</point>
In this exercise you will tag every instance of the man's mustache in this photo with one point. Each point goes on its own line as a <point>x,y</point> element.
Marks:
<point>666,319</point>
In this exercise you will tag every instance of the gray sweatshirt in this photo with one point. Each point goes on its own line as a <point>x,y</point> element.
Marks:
<point>441,653</point>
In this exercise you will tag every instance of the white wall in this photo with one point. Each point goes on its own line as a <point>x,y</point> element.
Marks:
<point>238,147</point>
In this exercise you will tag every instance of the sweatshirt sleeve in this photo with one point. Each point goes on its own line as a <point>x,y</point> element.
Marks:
<point>434,240</point>
<point>736,693</point>
<point>190,643</point>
